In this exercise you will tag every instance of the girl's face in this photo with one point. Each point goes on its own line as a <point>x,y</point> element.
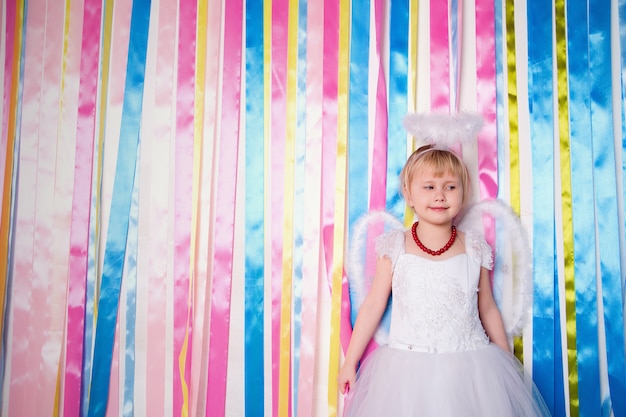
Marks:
<point>436,199</point>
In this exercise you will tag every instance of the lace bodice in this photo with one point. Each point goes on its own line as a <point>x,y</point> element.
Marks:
<point>435,302</point>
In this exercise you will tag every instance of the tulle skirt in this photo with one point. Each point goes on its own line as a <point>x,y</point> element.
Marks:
<point>477,383</point>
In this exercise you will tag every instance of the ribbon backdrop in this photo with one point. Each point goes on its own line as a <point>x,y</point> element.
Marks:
<point>181,179</point>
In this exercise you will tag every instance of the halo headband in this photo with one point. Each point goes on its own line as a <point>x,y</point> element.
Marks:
<point>443,130</point>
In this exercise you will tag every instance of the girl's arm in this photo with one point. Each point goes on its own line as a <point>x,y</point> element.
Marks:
<point>489,313</point>
<point>367,321</point>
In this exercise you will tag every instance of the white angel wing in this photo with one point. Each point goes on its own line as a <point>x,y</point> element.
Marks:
<point>513,260</point>
<point>362,259</point>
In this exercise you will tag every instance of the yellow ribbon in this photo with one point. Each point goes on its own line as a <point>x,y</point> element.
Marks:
<point>409,216</point>
<point>340,204</point>
<point>8,168</point>
<point>288,204</point>
<point>66,30</point>
<point>514,180</point>
<point>566,204</point>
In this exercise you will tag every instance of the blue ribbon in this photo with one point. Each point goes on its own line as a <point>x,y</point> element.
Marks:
<point>120,209</point>
<point>358,148</point>
<point>254,216</point>
<point>547,357</point>
<point>299,199</point>
<point>501,116</point>
<point>92,262</point>
<point>398,85</point>
<point>584,220</point>
<point>622,40</point>
<point>454,55</point>
<point>130,277</point>
<point>605,187</point>
<point>358,134</point>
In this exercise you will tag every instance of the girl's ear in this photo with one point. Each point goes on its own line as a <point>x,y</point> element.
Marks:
<point>406,195</point>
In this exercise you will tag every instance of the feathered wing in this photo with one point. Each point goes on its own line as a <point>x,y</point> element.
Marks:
<point>361,261</point>
<point>513,261</point>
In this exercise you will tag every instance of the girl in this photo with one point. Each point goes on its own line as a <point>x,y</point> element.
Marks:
<point>447,353</point>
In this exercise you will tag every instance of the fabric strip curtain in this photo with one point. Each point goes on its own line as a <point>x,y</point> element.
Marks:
<point>181,180</point>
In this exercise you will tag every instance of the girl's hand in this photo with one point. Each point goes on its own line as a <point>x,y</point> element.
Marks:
<point>346,378</point>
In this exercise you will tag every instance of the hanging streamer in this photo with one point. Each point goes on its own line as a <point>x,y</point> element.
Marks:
<point>51,221</point>
<point>255,202</point>
<point>66,134</point>
<point>290,124</point>
<point>379,153</point>
<point>299,203</point>
<point>606,202</point>
<point>29,223</point>
<point>511,55</point>
<point>413,55</point>
<point>8,17</point>
<point>583,216</point>
<point>397,136</point>
<point>55,238</point>
<point>120,205</point>
<point>130,307</point>
<point>329,165</point>
<point>358,147</point>
<point>485,105</point>
<point>339,281</point>
<point>378,171</point>
<point>378,175</point>
<point>205,120</point>
<point>279,53</point>
<point>94,254</point>
<point>566,204</point>
<point>440,55</point>
<point>622,41</point>
<point>225,212</point>
<point>157,225</point>
<point>456,46</point>
<point>312,269</point>
<point>81,205</point>
<point>486,100</point>
<point>10,129</point>
<point>547,369</point>
<point>513,124</point>
<point>358,143</point>
<point>183,197</point>
<point>198,253</point>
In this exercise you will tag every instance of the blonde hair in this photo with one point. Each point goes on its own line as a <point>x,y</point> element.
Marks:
<point>441,161</point>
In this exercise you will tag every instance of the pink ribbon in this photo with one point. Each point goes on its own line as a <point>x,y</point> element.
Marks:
<point>486,99</point>
<point>162,163</point>
<point>225,210</point>
<point>311,268</point>
<point>280,27</point>
<point>439,55</point>
<point>81,205</point>
<point>26,342</point>
<point>184,161</point>
<point>379,158</point>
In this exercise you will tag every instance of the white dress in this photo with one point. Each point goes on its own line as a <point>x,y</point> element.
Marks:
<point>439,361</point>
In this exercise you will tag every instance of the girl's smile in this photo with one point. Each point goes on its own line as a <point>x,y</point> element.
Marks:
<point>435,197</point>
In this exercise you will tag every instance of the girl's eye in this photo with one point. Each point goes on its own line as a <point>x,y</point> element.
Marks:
<point>428,187</point>
<point>451,187</point>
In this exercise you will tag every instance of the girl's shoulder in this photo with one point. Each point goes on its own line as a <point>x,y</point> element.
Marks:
<point>477,247</point>
<point>390,244</point>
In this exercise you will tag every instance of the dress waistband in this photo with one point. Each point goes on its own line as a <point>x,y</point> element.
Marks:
<point>413,348</point>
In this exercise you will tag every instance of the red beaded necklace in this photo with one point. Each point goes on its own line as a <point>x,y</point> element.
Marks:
<point>430,251</point>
